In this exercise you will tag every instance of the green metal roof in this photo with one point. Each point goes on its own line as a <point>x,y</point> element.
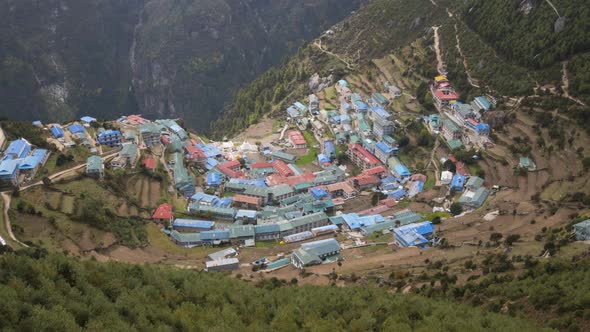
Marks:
<point>308,219</point>
<point>94,163</point>
<point>185,237</point>
<point>475,182</point>
<point>452,126</point>
<point>256,191</point>
<point>236,231</point>
<point>454,144</point>
<point>303,186</point>
<point>283,155</point>
<point>280,190</point>
<point>129,150</point>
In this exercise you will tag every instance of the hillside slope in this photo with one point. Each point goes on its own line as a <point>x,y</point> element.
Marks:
<point>42,292</point>
<point>547,48</point>
<point>62,59</point>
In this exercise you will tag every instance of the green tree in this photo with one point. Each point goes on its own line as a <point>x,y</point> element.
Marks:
<point>456,209</point>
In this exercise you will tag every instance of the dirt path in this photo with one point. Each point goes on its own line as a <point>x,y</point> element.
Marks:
<point>553,6</point>
<point>318,44</point>
<point>566,85</point>
<point>59,174</point>
<point>7,224</point>
<point>440,65</point>
<point>465,65</point>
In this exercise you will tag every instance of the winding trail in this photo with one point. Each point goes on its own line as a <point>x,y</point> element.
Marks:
<point>553,6</point>
<point>566,85</point>
<point>318,43</point>
<point>440,66</point>
<point>59,174</point>
<point>7,224</point>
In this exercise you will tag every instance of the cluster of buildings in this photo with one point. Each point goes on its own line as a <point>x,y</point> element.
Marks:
<point>473,192</point>
<point>20,162</point>
<point>459,123</point>
<point>135,133</point>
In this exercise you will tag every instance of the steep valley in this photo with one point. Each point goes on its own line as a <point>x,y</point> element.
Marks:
<point>161,58</point>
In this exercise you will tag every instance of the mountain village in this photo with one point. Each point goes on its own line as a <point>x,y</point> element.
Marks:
<point>299,188</point>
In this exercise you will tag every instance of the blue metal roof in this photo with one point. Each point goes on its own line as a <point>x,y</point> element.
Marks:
<point>458,182</point>
<point>18,148</point>
<point>57,131</point>
<point>397,194</point>
<point>202,197</point>
<point>87,119</point>
<point>32,161</point>
<point>213,179</point>
<point>422,228</point>
<point>8,167</point>
<point>108,133</point>
<point>380,112</point>
<point>482,127</point>
<point>318,193</point>
<point>224,202</point>
<point>322,158</point>
<point>354,221</point>
<point>384,147</point>
<point>484,102</point>
<point>329,147</point>
<point>402,170</point>
<point>251,182</point>
<point>211,163</point>
<point>361,106</point>
<point>76,128</point>
<point>204,224</point>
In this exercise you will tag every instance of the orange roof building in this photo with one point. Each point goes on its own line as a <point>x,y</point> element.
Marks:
<point>163,213</point>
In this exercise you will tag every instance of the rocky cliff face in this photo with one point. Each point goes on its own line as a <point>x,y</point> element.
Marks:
<point>64,58</point>
<point>61,58</point>
<point>190,56</point>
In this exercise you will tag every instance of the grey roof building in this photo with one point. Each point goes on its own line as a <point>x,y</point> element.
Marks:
<point>314,253</point>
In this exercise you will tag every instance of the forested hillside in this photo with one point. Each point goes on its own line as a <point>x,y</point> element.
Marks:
<point>40,292</point>
<point>532,32</point>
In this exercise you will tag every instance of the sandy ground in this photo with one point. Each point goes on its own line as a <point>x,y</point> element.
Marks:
<point>260,132</point>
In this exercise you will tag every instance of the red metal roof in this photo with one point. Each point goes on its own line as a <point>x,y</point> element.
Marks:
<point>163,211</point>
<point>297,138</point>
<point>362,153</point>
<point>364,180</point>
<point>389,202</point>
<point>375,170</point>
<point>246,199</point>
<point>446,94</point>
<point>233,165</point>
<point>150,163</point>
<point>459,165</point>
<point>276,179</point>
<point>282,168</point>
<point>194,152</point>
